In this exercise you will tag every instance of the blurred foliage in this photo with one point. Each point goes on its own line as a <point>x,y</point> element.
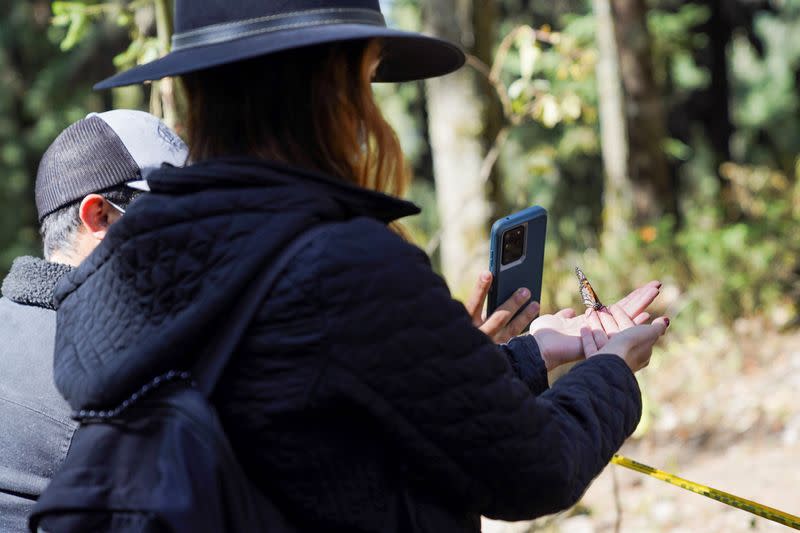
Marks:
<point>148,25</point>
<point>78,17</point>
<point>766,108</point>
<point>539,74</point>
<point>736,251</point>
<point>43,91</point>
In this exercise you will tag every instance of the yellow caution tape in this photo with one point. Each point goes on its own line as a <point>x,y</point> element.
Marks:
<point>728,499</point>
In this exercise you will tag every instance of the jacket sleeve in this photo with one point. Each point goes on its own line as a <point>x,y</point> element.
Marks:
<point>526,361</point>
<point>466,424</point>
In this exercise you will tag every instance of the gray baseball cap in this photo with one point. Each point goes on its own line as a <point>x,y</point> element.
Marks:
<point>104,150</point>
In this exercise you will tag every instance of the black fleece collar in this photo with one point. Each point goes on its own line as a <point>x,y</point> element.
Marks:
<point>32,281</point>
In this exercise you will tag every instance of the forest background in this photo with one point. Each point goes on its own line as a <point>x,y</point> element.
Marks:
<point>662,136</point>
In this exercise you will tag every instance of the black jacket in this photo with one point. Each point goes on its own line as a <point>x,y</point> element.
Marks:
<point>363,399</point>
<point>35,425</point>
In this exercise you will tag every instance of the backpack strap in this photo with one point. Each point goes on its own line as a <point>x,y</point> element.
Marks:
<point>209,369</point>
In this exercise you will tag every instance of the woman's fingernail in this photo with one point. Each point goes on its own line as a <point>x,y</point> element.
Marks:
<point>486,276</point>
<point>533,308</point>
<point>523,294</point>
<point>667,321</point>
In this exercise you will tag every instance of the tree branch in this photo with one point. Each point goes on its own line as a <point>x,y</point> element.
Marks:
<point>494,153</point>
<point>498,86</point>
<point>166,87</point>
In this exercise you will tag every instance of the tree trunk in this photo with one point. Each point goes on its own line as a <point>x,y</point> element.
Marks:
<point>485,16</point>
<point>165,89</point>
<point>654,193</point>
<point>719,122</point>
<point>617,190</point>
<point>455,113</point>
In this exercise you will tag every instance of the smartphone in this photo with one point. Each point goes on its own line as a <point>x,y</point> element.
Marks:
<point>516,256</point>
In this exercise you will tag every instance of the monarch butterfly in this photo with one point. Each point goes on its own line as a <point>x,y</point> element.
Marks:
<point>590,299</point>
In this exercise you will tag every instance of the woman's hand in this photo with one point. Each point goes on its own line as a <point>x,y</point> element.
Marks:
<point>634,345</point>
<point>501,326</point>
<point>559,335</point>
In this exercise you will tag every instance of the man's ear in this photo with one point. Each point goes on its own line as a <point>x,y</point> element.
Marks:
<point>97,215</point>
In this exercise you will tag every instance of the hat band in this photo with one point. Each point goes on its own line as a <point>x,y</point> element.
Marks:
<point>231,31</point>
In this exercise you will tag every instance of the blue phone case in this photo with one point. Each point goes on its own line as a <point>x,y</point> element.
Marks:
<point>528,270</point>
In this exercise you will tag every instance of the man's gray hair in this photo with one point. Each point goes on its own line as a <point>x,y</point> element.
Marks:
<point>59,229</point>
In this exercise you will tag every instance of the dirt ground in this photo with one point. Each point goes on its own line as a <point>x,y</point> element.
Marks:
<point>722,411</point>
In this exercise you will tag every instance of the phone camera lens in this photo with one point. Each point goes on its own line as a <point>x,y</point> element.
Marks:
<point>513,245</point>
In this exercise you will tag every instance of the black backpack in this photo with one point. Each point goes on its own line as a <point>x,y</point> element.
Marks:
<point>161,462</point>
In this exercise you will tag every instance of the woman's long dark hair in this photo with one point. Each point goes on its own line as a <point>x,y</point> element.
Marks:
<point>311,107</point>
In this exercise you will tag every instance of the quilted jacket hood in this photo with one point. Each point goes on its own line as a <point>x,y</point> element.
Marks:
<point>178,260</point>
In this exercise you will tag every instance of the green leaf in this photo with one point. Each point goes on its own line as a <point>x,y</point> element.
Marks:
<point>677,149</point>
<point>124,20</point>
<point>528,58</point>
<point>150,51</point>
<point>571,106</point>
<point>526,42</point>
<point>129,57</point>
<point>61,20</point>
<point>517,88</point>
<point>550,111</point>
<point>66,8</point>
<point>78,28</point>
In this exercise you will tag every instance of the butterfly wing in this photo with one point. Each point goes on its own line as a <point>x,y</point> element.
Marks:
<point>589,297</point>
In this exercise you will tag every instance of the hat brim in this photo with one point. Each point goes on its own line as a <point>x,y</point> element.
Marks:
<point>406,56</point>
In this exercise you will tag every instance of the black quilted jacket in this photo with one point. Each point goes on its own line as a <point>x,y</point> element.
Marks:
<point>363,399</point>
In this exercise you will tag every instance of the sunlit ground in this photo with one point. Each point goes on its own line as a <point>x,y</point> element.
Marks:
<point>722,411</point>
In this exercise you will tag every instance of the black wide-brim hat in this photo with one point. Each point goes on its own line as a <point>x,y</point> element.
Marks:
<point>210,33</point>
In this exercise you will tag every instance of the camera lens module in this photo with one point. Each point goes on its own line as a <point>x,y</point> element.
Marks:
<point>513,245</point>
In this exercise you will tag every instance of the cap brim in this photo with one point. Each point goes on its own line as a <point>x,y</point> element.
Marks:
<point>407,56</point>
